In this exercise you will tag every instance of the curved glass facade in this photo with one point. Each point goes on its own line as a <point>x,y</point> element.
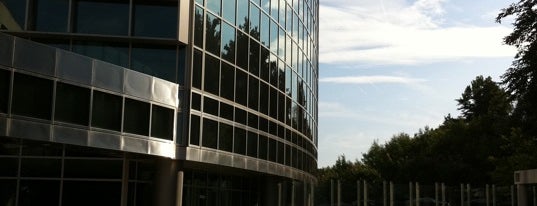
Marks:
<point>254,70</point>
<point>217,97</point>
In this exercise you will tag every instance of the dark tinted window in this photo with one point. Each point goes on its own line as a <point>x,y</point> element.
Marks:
<point>227,81</point>
<point>228,42</point>
<point>241,87</point>
<point>40,167</point>
<point>198,27</point>
<point>242,50</point>
<point>39,192</point>
<point>156,61</point>
<point>102,17</point>
<point>108,193</point>
<point>115,53</point>
<point>162,122</point>
<point>196,101</point>
<point>225,140</point>
<point>252,120</point>
<point>212,34</point>
<point>32,96</point>
<point>195,130</point>
<point>210,133</point>
<point>5,81</point>
<point>252,144</point>
<point>17,8</point>
<point>226,111</point>
<point>212,74</point>
<point>239,142</point>
<point>51,15</point>
<point>136,117</point>
<point>210,106</point>
<point>155,18</point>
<point>253,90</point>
<point>240,116</point>
<point>263,142</point>
<point>272,150</point>
<point>72,104</point>
<point>254,58</point>
<point>197,64</point>
<point>263,97</point>
<point>106,111</point>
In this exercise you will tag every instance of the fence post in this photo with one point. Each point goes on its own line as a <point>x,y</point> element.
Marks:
<point>391,193</point>
<point>487,195</point>
<point>443,194</point>
<point>385,193</point>
<point>436,193</point>
<point>365,193</point>
<point>534,197</point>
<point>512,195</point>
<point>358,194</point>
<point>417,194</point>
<point>331,192</point>
<point>462,194</point>
<point>493,195</point>
<point>410,193</point>
<point>338,193</point>
<point>468,194</point>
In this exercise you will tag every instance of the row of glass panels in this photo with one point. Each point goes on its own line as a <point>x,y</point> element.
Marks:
<point>155,18</point>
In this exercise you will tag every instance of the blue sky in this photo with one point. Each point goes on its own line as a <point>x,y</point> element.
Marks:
<point>392,66</point>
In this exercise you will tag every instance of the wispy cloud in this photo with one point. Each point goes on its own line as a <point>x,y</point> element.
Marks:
<point>371,80</point>
<point>395,32</point>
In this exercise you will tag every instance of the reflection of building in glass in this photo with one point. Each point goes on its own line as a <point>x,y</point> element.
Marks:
<point>158,102</point>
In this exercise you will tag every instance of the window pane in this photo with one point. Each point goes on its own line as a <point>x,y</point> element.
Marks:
<point>265,30</point>
<point>239,142</point>
<point>197,69</point>
<point>156,61</point>
<point>210,133</point>
<point>280,152</point>
<point>226,111</point>
<point>39,192</point>
<point>136,117</point>
<point>242,15</point>
<point>195,130</point>
<point>228,42</point>
<point>254,58</point>
<point>196,101</point>
<point>225,137</point>
<point>162,122</point>
<point>228,10</point>
<point>5,82</point>
<point>253,93</point>
<point>9,167</point>
<point>254,21</point>
<point>108,193</point>
<point>263,98</point>
<point>148,13</point>
<point>114,53</point>
<point>214,6</point>
<point>263,147</point>
<point>27,90</point>
<point>51,15</point>
<point>106,111</point>
<point>272,150</point>
<point>242,50</point>
<point>8,191</point>
<point>212,74</point>
<point>227,81</point>
<point>253,121</point>
<point>264,72</point>
<point>72,104</point>
<point>241,87</point>
<point>15,21</point>
<point>102,17</point>
<point>210,106</point>
<point>273,111</point>
<point>212,34</point>
<point>252,144</point>
<point>240,116</point>
<point>40,167</point>
<point>198,27</point>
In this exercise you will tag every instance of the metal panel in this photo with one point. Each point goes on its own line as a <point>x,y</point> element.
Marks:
<point>6,49</point>
<point>34,57</point>
<point>108,76</point>
<point>193,154</point>
<point>251,164</point>
<point>135,145</point>
<point>165,92</point>
<point>162,149</point>
<point>138,84</point>
<point>70,135</point>
<point>74,67</point>
<point>209,156</point>
<point>239,162</point>
<point>29,130</point>
<point>184,19</point>
<point>225,159</point>
<point>262,166</point>
<point>104,140</point>
<point>3,126</point>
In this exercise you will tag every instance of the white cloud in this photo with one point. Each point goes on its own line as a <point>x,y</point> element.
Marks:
<point>394,32</point>
<point>370,80</point>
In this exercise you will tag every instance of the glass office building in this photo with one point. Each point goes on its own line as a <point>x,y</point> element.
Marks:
<point>158,102</point>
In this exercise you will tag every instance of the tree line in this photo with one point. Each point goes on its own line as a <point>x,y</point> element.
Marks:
<point>495,134</point>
